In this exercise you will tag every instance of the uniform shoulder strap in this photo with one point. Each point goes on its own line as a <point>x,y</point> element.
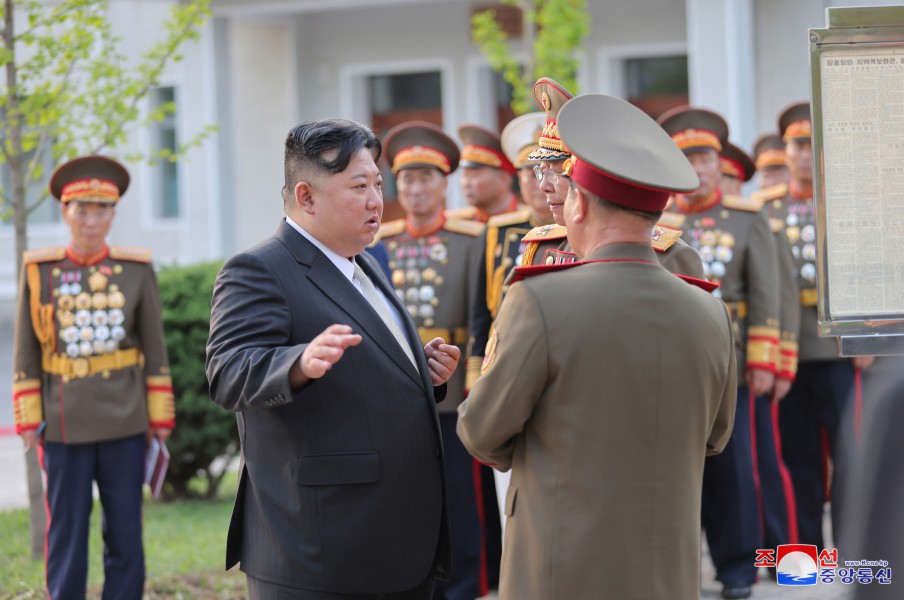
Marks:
<point>129,253</point>
<point>546,232</point>
<point>672,219</point>
<point>742,203</point>
<point>467,213</point>
<point>511,218</point>
<point>773,192</point>
<point>40,255</point>
<point>472,228</point>
<point>390,229</point>
<point>664,237</point>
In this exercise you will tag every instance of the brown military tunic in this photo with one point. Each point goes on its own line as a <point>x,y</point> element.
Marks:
<point>559,404</point>
<point>798,221</point>
<point>434,274</point>
<point>738,250</point>
<point>90,355</point>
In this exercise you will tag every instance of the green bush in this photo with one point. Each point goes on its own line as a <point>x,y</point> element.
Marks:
<point>204,431</point>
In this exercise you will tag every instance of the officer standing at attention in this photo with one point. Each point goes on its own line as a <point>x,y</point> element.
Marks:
<point>486,176</point>
<point>737,169</point>
<point>811,414</point>
<point>770,161</point>
<point>91,380</point>
<point>434,262</point>
<point>604,435</point>
<point>738,251</point>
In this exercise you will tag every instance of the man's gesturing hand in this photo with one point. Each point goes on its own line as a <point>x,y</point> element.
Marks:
<point>442,358</point>
<point>323,352</point>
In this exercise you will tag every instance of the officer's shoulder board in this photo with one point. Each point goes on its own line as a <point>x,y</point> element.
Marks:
<point>742,203</point>
<point>672,219</point>
<point>390,229</point>
<point>776,225</point>
<point>516,217</point>
<point>664,237</point>
<point>773,192</point>
<point>546,232</point>
<point>472,228</point>
<point>131,254</point>
<point>467,213</point>
<point>39,255</point>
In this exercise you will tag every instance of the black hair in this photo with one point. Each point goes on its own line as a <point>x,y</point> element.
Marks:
<point>308,142</point>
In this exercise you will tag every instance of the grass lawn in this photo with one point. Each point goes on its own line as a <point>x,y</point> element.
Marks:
<point>184,545</point>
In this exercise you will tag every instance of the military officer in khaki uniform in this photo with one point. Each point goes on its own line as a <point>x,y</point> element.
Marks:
<point>546,245</point>
<point>91,380</point>
<point>605,439</point>
<point>770,161</point>
<point>739,253</point>
<point>813,407</point>
<point>486,176</point>
<point>502,240</point>
<point>434,262</point>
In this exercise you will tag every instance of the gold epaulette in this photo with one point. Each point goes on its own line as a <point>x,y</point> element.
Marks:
<point>390,229</point>
<point>512,218</point>
<point>664,237</point>
<point>742,203</point>
<point>776,225</point>
<point>773,192</point>
<point>546,232</point>
<point>472,228</point>
<point>467,213</point>
<point>39,255</point>
<point>141,255</point>
<point>672,219</point>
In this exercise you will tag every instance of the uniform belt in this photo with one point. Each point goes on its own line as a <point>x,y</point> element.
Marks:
<point>737,310</point>
<point>808,297</point>
<point>83,366</point>
<point>457,336</point>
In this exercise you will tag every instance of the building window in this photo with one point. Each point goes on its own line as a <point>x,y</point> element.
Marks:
<point>656,84</point>
<point>396,99</point>
<point>165,177</point>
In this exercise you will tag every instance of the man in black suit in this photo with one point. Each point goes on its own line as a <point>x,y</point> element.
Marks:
<point>341,495</point>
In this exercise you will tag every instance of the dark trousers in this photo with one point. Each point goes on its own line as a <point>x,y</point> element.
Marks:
<point>463,490</point>
<point>118,468</point>
<point>809,420</point>
<point>731,516</point>
<point>776,489</point>
<point>258,589</point>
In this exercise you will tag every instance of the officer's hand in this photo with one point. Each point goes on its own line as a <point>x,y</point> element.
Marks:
<point>780,389</point>
<point>161,433</point>
<point>29,438</point>
<point>442,358</point>
<point>326,349</point>
<point>759,381</point>
<point>863,362</point>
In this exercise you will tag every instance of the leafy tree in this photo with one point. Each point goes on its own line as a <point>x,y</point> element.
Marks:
<point>70,90</point>
<point>205,439</point>
<point>553,30</point>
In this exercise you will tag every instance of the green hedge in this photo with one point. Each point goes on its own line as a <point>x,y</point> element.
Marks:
<point>204,431</point>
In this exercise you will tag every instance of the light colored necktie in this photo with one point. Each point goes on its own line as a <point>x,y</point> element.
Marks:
<point>373,297</point>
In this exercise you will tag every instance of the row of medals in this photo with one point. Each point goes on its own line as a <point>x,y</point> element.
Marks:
<point>414,278</point>
<point>90,322</point>
<point>802,237</point>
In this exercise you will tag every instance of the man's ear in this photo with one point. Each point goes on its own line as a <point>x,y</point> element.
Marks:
<point>579,212</point>
<point>304,197</point>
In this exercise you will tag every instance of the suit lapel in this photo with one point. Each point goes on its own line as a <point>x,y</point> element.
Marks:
<point>324,274</point>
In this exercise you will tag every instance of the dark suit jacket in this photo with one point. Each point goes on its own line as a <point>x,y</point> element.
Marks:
<point>342,487</point>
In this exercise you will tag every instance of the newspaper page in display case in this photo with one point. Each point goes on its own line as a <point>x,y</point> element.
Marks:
<point>857,77</point>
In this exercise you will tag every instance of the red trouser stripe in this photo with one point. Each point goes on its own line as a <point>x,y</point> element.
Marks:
<point>483,585</point>
<point>787,485</point>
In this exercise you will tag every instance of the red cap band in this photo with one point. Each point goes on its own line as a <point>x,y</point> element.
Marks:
<point>623,193</point>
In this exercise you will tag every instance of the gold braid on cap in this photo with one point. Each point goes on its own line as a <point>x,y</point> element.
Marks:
<point>697,138</point>
<point>550,139</point>
<point>774,157</point>
<point>481,155</point>
<point>420,155</point>
<point>798,129</point>
<point>90,190</point>
<point>522,159</point>
<point>731,168</point>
